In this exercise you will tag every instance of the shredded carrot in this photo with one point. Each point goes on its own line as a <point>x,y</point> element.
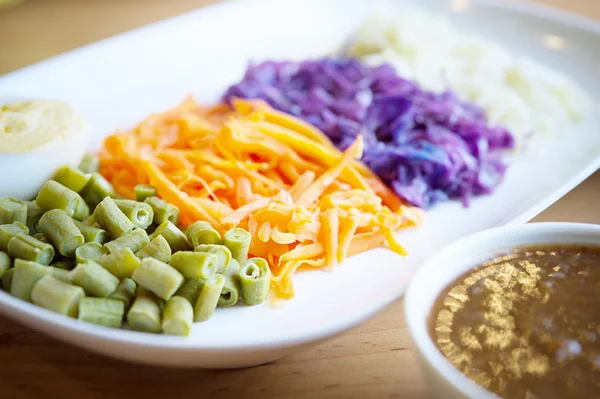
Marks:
<point>305,203</point>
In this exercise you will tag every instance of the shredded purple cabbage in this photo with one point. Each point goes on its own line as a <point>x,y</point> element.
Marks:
<point>428,147</point>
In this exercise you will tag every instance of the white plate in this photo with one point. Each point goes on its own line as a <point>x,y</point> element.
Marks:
<point>117,82</point>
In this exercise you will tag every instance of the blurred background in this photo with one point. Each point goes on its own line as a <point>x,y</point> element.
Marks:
<point>33,30</point>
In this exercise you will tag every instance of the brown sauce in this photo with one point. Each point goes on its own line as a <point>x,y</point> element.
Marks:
<point>527,324</point>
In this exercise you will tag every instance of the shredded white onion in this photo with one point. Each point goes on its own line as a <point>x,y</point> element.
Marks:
<point>519,93</point>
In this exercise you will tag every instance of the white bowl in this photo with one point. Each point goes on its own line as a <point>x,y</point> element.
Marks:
<point>444,380</point>
<point>22,175</point>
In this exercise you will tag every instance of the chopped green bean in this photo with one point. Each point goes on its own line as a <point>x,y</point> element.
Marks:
<point>8,231</point>
<point>178,316</point>
<point>145,314</point>
<point>94,279</point>
<point>72,178</point>
<point>34,213</point>
<point>135,240</point>
<point>82,211</point>
<point>57,296</point>
<point>41,237</point>
<point>92,234</point>
<point>163,211</point>
<point>89,163</point>
<point>202,233</point>
<point>121,263</point>
<point>238,242</point>
<point>97,189</point>
<point>5,263</point>
<point>12,210</point>
<point>28,248</point>
<point>102,311</point>
<point>140,214</point>
<point>90,221</point>
<point>125,292</point>
<point>255,281</point>
<point>64,263</point>
<point>7,279</point>
<point>190,289</point>
<point>54,195</point>
<point>223,254</point>
<point>231,290</point>
<point>175,237</point>
<point>89,251</point>
<point>108,215</point>
<point>158,248</point>
<point>60,229</point>
<point>143,191</point>
<point>25,276</point>
<point>194,264</point>
<point>209,297</point>
<point>158,277</point>
<point>60,274</point>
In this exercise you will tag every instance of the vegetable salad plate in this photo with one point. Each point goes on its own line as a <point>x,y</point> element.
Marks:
<point>117,82</point>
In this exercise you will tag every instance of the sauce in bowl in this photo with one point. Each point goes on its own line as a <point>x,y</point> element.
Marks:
<point>526,324</point>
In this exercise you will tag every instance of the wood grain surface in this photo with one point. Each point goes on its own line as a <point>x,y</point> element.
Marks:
<point>374,360</point>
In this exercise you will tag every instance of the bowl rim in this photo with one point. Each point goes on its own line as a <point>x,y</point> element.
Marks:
<point>417,320</point>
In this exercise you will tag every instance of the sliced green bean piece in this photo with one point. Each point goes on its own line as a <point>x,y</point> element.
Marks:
<point>82,211</point>
<point>60,229</point>
<point>25,276</point>
<point>90,221</point>
<point>135,240</point>
<point>94,279</point>
<point>158,249</point>
<point>60,274</point>
<point>223,254</point>
<point>28,248</point>
<point>140,214</point>
<point>57,296</point>
<point>208,297</point>
<point>102,311</point>
<point>108,215</point>
<point>7,279</point>
<point>41,237</point>
<point>96,190</point>
<point>91,233</point>
<point>231,290</point>
<point>163,211</point>
<point>178,316</point>
<point>194,264</point>
<point>72,178</point>
<point>125,292</point>
<point>121,263</point>
<point>158,277</point>
<point>175,237</point>
<point>90,251</point>
<point>238,242</point>
<point>255,281</point>
<point>89,163</point>
<point>190,289</point>
<point>143,191</point>
<point>145,314</point>
<point>5,263</point>
<point>64,263</point>
<point>202,233</point>
<point>54,195</point>
<point>12,210</point>
<point>34,213</point>
<point>8,231</point>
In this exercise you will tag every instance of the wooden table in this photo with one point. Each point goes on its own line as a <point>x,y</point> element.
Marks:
<point>374,360</point>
